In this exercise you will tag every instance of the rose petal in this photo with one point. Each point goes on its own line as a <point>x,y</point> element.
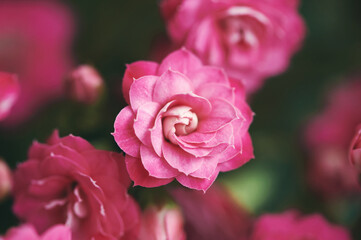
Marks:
<point>197,183</point>
<point>208,168</point>
<point>182,61</point>
<point>240,159</point>
<point>200,105</point>
<point>155,165</point>
<point>145,120</point>
<point>222,113</point>
<point>211,90</point>
<point>206,75</point>
<point>124,133</point>
<point>141,91</point>
<point>179,159</point>
<point>135,71</point>
<point>140,176</point>
<point>170,84</point>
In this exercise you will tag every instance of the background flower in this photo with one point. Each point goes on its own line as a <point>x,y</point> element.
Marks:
<point>213,215</point>
<point>163,223</point>
<point>28,232</point>
<point>328,138</point>
<point>252,40</point>
<point>185,121</point>
<point>355,149</point>
<point>291,226</point>
<point>9,93</point>
<point>35,40</point>
<point>70,182</point>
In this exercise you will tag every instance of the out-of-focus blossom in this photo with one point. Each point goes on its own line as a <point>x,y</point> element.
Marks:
<point>355,150</point>
<point>85,84</point>
<point>251,39</point>
<point>68,181</point>
<point>328,138</point>
<point>213,215</point>
<point>28,232</point>
<point>5,179</point>
<point>35,39</point>
<point>291,226</point>
<point>185,121</point>
<point>9,92</point>
<point>164,223</point>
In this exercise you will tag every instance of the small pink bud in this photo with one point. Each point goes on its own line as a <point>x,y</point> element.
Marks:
<point>355,150</point>
<point>5,180</point>
<point>85,84</point>
<point>9,92</point>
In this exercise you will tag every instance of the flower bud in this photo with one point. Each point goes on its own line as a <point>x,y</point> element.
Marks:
<point>9,92</point>
<point>85,84</point>
<point>5,180</point>
<point>355,150</point>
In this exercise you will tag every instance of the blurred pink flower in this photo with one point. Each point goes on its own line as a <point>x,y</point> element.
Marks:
<point>85,84</point>
<point>9,93</point>
<point>355,150</point>
<point>164,223</point>
<point>28,232</point>
<point>213,215</point>
<point>68,181</point>
<point>291,226</point>
<point>5,179</point>
<point>251,39</point>
<point>185,121</point>
<point>35,38</point>
<point>328,138</point>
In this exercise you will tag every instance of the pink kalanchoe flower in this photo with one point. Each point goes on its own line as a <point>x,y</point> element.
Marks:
<point>28,232</point>
<point>35,39</point>
<point>212,216</point>
<point>355,150</point>
<point>185,121</point>
<point>291,226</point>
<point>68,181</point>
<point>85,84</point>
<point>162,223</point>
<point>251,39</point>
<point>328,138</point>
<point>5,179</point>
<point>9,92</point>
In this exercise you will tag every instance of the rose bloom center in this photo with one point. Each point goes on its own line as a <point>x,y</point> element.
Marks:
<point>179,121</point>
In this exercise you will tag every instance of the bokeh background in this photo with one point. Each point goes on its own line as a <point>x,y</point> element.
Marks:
<point>111,33</point>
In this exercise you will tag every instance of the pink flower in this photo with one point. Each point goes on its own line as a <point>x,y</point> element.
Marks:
<point>185,121</point>
<point>85,84</point>
<point>9,92</point>
<point>162,223</point>
<point>28,232</point>
<point>213,215</point>
<point>291,226</point>
<point>251,39</point>
<point>35,39</point>
<point>355,150</point>
<point>328,138</point>
<point>5,179</point>
<point>68,181</point>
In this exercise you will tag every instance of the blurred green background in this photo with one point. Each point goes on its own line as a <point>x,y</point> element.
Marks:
<point>111,33</point>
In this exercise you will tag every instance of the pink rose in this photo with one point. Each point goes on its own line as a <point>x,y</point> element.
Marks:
<point>355,150</point>
<point>28,232</point>
<point>68,181</point>
<point>9,92</point>
<point>251,40</point>
<point>185,121</point>
<point>328,137</point>
<point>162,223</point>
<point>85,84</point>
<point>212,216</point>
<point>35,39</point>
<point>5,180</point>
<point>291,226</point>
